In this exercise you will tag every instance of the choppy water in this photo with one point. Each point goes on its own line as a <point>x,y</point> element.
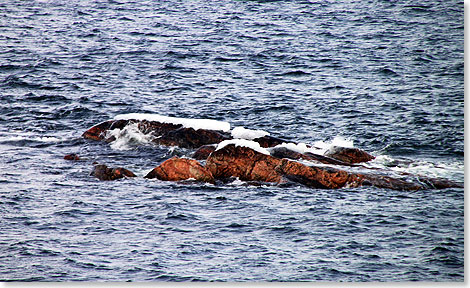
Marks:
<point>388,75</point>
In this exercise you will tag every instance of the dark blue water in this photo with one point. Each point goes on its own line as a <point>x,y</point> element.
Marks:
<point>387,75</point>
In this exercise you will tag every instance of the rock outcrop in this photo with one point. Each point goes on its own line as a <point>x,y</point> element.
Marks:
<point>176,169</point>
<point>190,138</point>
<point>102,172</point>
<point>163,133</point>
<point>249,165</point>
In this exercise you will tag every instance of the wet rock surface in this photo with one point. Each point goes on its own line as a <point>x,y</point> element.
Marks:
<point>102,172</point>
<point>72,157</point>
<point>176,169</point>
<point>203,152</point>
<point>244,163</point>
<point>163,133</point>
<point>282,152</point>
<point>249,165</point>
<point>190,138</point>
<point>349,155</point>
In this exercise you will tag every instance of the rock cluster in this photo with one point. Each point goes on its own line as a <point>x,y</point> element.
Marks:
<point>244,163</point>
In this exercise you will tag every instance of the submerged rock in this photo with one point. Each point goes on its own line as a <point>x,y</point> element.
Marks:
<point>104,173</point>
<point>176,169</point>
<point>72,157</point>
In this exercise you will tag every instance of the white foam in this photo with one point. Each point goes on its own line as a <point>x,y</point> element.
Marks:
<point>454,170</point>
<point>319,147</point>
<point>299,147</point>
<point>128,136</point>
<point>44,139</point>
<point>243,143</point>
<point>196,124</point>
<point>248,134</point>
<point>338,141</point>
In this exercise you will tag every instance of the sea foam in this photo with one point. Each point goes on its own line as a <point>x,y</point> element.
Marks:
<point>126,137</point>
<point>243,143</point>
<point>248,134</point>
<point>196,124</point>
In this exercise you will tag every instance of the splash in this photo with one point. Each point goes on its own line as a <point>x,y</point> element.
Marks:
<point>128,137</point>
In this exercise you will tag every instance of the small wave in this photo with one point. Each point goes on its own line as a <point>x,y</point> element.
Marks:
<point>453,170</point>
<point>388,72</point>
<point>13,81</point>
<point>336,87</point>
<point>74,212</point>
<point>9,67</point>
<point>45,98</point>
<point>26,139</point>
<point>295,73</point>
<point>227,59</point>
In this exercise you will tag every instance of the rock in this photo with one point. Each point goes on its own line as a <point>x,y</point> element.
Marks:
<point>164,133</point>
<point>72,157</point>
<point>98,132</point>
<point>203,152</point>
<point>244,163</point>
<point>102,172</point>
<point>269,141</point>
<point>190,138</point>
<point>349,155</point>
<point>318,177</point>
<point>249,165</point>
<point>282,152</point>
<point>176,169</point>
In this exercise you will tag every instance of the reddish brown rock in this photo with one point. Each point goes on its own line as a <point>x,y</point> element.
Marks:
<point>102,172</point>
<point>203,152</point>
<point>349,155</point>
<point>72,157</point>
<point>244,163</point>
<point>98,132</point>
<point>176,169</point>
<point>318,177</point>
<point>249,165</point>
